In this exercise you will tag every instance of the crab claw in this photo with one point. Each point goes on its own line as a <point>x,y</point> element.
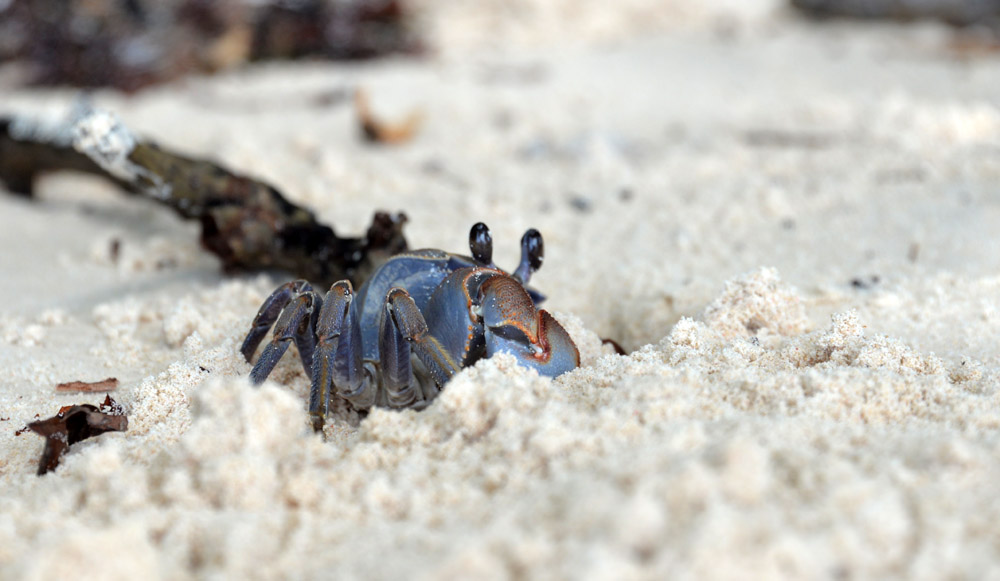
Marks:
<point>534,337</point>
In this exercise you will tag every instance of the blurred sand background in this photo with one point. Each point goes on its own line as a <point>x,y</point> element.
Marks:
<point>791,226</point>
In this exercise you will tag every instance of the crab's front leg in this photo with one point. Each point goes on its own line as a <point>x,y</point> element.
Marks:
<point>402,328</point>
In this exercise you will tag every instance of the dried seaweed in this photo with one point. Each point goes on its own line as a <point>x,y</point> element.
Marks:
<point>109,384</point>
<point>954,12</point>
<point>247,223</point>
<point>73,424</point>
<point>135,43</point>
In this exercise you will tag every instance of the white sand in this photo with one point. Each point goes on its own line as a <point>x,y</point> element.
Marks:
<point>773,420</point>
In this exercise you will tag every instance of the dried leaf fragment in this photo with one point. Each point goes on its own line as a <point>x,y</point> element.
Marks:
<point>73,424</point>
<point>378,131</point>
<point>109,384</point>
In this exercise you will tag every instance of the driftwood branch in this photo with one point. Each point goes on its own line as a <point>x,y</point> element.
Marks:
<point>247,223</point>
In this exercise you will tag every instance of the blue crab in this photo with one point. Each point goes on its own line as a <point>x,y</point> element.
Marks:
<point>421,317</point>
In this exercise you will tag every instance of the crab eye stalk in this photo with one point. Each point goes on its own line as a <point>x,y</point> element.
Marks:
<point>532,255</point>
<point>481,244</point>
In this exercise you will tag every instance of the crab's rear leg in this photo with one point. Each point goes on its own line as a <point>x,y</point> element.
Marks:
<point>294,324</point>
<point>268,314</point>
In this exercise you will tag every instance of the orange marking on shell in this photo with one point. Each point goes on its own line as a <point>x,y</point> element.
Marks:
<point>546,353</point>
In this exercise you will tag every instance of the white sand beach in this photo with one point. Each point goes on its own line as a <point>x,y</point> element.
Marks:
<point>790,226</point>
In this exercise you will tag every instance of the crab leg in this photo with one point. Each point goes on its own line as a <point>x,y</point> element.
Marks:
<point>337,364</point>
<point>394,357</point>
<point>269,313</point>
<point>411,325</point>
<point>402,388</point>
<point>294,324</point>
